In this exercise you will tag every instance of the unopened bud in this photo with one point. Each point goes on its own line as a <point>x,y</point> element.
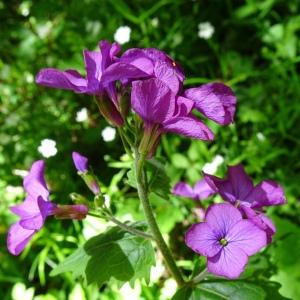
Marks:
<point>91,181</point>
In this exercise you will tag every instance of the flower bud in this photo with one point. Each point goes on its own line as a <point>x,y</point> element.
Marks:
<point>91,181</point>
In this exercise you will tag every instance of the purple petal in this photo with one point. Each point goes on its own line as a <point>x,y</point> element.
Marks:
<point>80,162</point>
<point>260,220</point>
<point>184,190</point>
<point>229,262</point>
<point>203,190</point>
<point>235,187</point>
<point>183,107</point>
<point>26,209</point>
<point>166,74</point>
<point>34,183</point>
<point>247,237</point>
<point>123,72</point>
<point>93,66</point>
<point>68,80</point>
<point>214,100</point>
<point>190,127</point>
<point>266,193</point>
<point>203,239</point>
<point>222,217</point>
<point>152,100</point>
<point>18,238</point>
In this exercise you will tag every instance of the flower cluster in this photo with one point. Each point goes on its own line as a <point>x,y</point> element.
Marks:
<point>157,94</point>
<point>231,232</point>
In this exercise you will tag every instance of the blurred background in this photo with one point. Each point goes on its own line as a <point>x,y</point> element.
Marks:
<point>252,46</point>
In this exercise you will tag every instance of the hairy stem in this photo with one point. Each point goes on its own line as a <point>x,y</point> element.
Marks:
<point>143,195</point>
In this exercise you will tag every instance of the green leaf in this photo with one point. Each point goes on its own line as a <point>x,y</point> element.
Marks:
<point>112,254</point>
<point>231,290</point>
<point>220,290</point>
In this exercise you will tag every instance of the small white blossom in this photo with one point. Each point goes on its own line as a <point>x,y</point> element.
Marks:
<point>47,148</point>
<point>135,292</point>
<point>260,136</point>
<point>154,22</point>
<point>82,115</point>
<point>205,30</point>
<point>108,134</point>
<point>122,35</point>
<point>211,168</point>
<point>21,173</point>
<point>168,289</point>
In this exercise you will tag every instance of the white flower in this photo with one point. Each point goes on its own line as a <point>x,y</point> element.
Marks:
<point>21,173</point>
<point>205,30</point>
<point>122,35</point>
<point>82,115</point>
<point>211,168</point>
<point>134,293</point>
<point>47,148</point>
<point>168,289</point>
<point>108,134</point>
<point>260,136</point>
<point>154,22</point>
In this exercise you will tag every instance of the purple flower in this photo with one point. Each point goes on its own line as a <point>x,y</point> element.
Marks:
<point>95,64</point>
<point>32,212</point>
<point>35,209</point>
<point>200,191</point>
<point>137,64</point>
<point>238,189</point>
<point>81,164</point>
<point>226,239</point>
<point>164,111</point>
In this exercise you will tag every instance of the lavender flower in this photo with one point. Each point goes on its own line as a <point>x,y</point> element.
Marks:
<point>145,63</point>
<point>226,239</point>
<point>238,189</point>
<point>200,191</point>
<point>164,111</point>
<point>95,64</point>
<point>35,209</point>
<point>81,164</point>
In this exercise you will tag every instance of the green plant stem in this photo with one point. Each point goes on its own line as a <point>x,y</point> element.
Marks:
<point>125,226</point>
<point>143,195</point>
<point>198,278</point>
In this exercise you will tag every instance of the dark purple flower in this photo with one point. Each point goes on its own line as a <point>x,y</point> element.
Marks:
<point>164,111</point>
<point>81,164</point>
<point>137,64</point>
<point>238,189</point>
<point>32,212</point>
<point>216,101</point>
<point>226,239</point>
<point>200,191</point>
<point>35,209</point>
<point>95,64</point>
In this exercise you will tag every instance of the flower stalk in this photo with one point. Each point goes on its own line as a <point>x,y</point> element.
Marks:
<point>143,195</point>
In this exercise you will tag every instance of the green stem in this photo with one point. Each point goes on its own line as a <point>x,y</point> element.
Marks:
<point>125,226</point>
<point>199,277</point>
<point>161,244</point>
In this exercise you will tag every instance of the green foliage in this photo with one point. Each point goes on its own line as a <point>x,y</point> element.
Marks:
<point>112,254</point>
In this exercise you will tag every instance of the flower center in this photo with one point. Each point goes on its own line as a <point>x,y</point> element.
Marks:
<point>223,242</point>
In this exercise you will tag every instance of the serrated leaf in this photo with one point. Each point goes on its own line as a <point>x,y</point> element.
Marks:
<point>112,254</point>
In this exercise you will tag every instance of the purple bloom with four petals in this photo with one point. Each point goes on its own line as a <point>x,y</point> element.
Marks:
<point>32,212</point>
<point>238,189</point>
<point>36,208</point>
<point>164,111</point>
<point>95,64</point>
<point>200,191</point>
<point>226,239</point>
<point>146,63</point>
